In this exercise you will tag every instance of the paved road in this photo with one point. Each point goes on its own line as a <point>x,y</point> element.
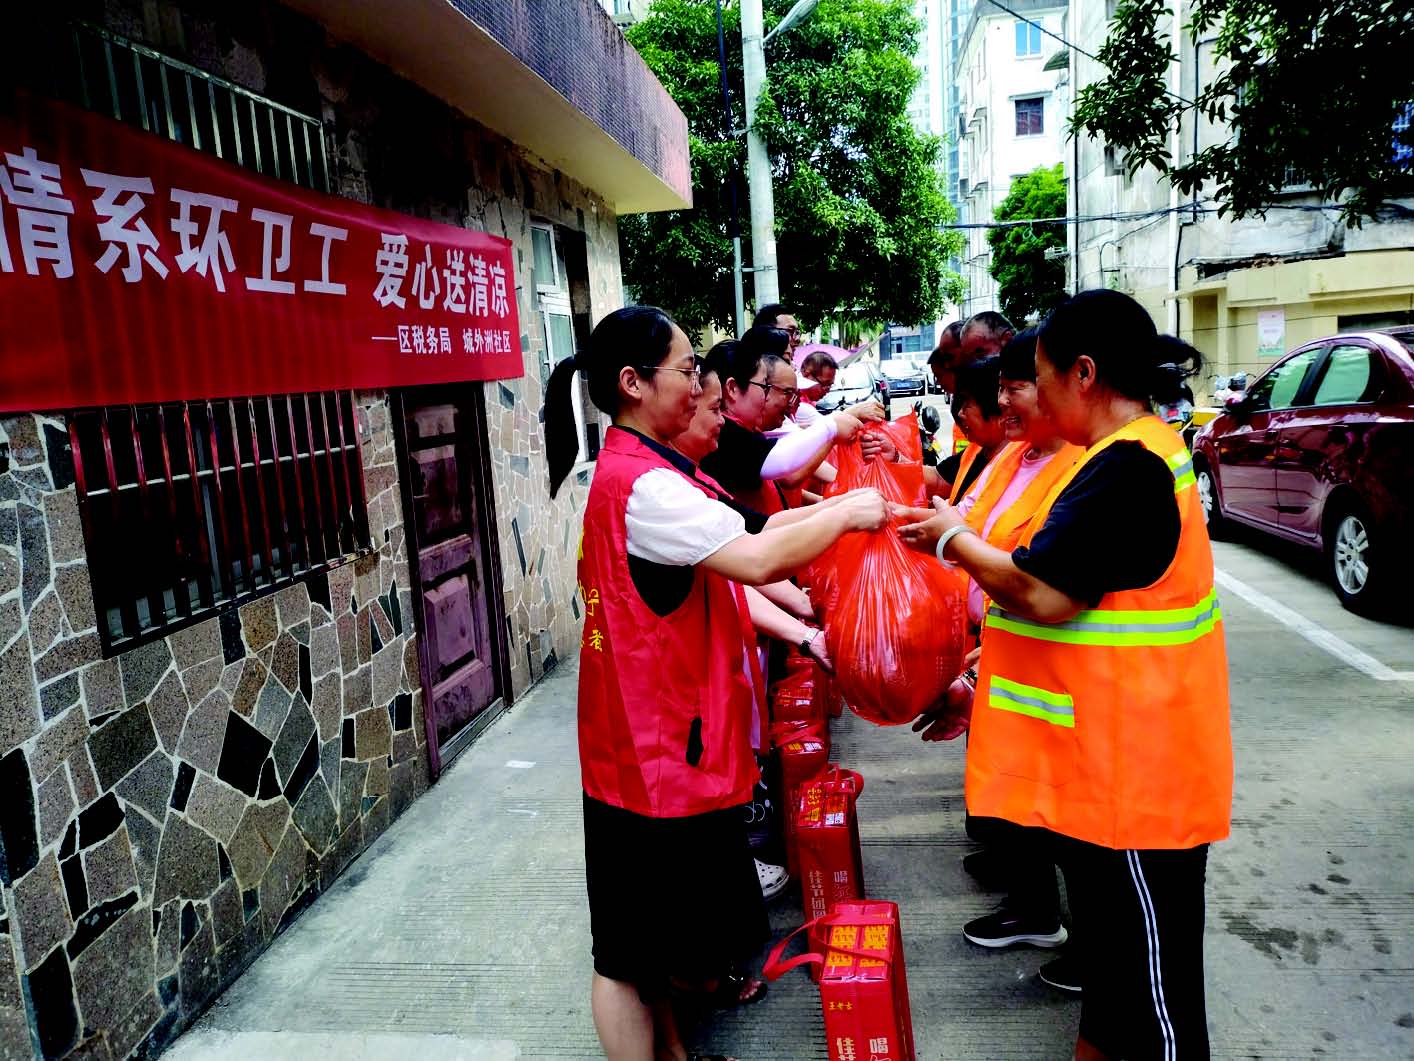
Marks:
<point>462,933</point>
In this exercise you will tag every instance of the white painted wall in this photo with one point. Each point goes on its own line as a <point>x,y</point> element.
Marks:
<point>992,77</point>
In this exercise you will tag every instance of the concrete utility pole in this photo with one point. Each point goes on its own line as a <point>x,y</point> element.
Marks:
<point>765,278</point>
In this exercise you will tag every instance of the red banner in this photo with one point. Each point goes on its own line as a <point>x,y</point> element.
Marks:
<point>133,269</point>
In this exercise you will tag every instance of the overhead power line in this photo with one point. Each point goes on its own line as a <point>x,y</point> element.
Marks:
<point>1073,46</point>
<point>1140,215</point>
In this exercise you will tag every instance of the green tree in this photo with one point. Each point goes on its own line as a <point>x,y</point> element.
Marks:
<point>858,197</point>
<point>1309,91</point>
<point>1029,284</point>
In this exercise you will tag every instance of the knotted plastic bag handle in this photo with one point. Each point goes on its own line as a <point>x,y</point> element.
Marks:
<point>838,775</point>
<point>776,966</point>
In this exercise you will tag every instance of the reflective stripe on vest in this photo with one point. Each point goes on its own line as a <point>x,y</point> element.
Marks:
<point>1125,629</point>
<point>1056,708</point>
<point>1181,464</point>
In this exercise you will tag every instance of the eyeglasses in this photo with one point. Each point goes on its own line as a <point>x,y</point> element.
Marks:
<point>694,374</point>
<point>793,331</point>
<point>791,393</point>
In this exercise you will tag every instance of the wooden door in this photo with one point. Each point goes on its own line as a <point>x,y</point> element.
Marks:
<point>449,531</point>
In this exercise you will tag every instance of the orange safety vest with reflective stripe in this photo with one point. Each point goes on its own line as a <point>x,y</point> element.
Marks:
<point>959,440</point>
<point>1112,727</point>
<point>1012,523</point>
<point>969,458</point>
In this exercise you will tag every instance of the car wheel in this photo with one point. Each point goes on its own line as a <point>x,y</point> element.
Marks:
<point>1355,565</point>
<point>1208,498</point>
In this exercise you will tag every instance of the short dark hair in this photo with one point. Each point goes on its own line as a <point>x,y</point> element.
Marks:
<point>979,382</point>
<point>1018,357</point>
<point>952,331</point>
<point>815,362</point>
<point>994,322</point>
<point>768,313</point>
<point>764,339</point>
<point>739,360</point>
<point>1130,354</point>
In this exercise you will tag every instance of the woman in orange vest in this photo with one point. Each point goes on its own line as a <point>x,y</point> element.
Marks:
<point>664,701</point>
<point>974,406</point>
<point>1101,711</point>
<point>1000,507</point>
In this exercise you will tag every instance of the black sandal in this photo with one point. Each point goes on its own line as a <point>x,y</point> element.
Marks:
<point>730,991</point>
<point>733,991</point>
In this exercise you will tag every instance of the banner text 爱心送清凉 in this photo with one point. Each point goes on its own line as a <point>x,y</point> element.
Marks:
<point>134,269</point>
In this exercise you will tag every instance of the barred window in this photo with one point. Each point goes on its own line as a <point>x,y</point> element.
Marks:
<point>190,508</point>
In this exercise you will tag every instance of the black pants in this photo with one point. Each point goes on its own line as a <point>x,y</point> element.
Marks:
<point>1138,919</point>
<point>1026,863</point>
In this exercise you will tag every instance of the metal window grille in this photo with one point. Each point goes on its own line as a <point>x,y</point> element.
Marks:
<point>191,507</point>
<point>165,96</point>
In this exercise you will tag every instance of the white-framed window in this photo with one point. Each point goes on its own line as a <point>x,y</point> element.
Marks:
<point>545,258</point>
<point>1028,39</point>
<point>1030,116</point>
<point>1114,163</point>
<point>559,344</point>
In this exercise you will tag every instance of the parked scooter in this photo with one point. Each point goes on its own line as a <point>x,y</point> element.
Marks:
<point>929,424</point>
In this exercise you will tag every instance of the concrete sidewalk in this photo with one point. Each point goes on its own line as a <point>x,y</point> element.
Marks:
<point>475,897</point>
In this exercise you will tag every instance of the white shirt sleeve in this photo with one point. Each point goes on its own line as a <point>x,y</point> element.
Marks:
<point>807,414</point>
<point>788,427</point>
<point>793,451</point>
<point>671,522</point>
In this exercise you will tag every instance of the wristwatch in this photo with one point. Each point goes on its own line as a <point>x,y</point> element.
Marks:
<point>806,641</point>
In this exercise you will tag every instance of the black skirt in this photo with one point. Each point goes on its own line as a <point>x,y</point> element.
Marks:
<point>670,897</point>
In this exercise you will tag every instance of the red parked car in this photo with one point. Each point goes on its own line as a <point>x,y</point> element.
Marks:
<point>1320,451</point>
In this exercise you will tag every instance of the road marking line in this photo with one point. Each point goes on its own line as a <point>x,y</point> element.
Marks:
<point>1313,632</point>
<point>518,764</point>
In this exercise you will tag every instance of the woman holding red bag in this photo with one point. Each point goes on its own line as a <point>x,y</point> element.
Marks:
<point>664,704</point>
<point>1101,718</point>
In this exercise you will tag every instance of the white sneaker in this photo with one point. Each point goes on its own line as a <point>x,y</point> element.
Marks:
<point>773,878</point>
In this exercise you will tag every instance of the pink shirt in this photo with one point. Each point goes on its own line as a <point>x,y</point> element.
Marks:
<point>1030,468</point>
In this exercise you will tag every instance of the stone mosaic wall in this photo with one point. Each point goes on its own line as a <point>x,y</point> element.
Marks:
<point>392,145</point>
<point>165,813</point>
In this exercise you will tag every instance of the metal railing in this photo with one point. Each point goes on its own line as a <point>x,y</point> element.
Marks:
<point>191,507</point>
<point>135,84</point>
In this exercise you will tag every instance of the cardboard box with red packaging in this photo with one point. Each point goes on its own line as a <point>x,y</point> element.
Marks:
<point>863,982</point>
<point>802,753</point>
<point>826,836</point>
<point>798,697</point>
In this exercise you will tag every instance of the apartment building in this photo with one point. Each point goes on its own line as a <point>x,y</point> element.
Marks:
<point>1011,110</point>
<point>1241,291</point>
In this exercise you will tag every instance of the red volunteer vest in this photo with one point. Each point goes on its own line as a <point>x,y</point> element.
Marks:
<point>653,688</point>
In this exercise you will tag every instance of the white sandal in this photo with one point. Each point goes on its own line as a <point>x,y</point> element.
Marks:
<point>773,878</point>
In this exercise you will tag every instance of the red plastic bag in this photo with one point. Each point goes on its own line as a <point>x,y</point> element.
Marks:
<point>905,435</point>
<point>896,619</point>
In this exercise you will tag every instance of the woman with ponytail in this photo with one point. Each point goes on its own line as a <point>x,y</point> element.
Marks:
<point>1100,719</point>
<point>665,704</point>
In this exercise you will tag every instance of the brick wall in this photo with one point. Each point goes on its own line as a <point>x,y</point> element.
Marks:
<point>576,47</point>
